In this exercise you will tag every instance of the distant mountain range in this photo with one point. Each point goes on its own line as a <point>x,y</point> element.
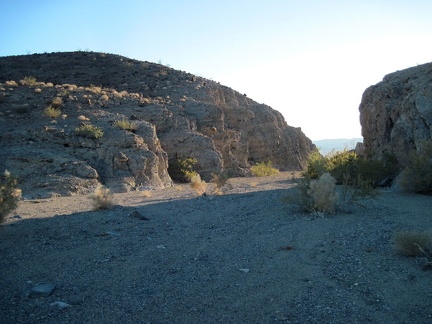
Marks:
<point>338,144</point>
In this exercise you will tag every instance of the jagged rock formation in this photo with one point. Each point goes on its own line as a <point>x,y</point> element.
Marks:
<point>173,113</point>
<point>396,113</point>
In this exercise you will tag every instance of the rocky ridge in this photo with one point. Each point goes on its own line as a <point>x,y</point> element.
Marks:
<point>396,113</point>
<point>172,113</point>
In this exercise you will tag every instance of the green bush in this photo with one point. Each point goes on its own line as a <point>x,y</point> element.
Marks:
<point>316,165</point>
<point>340,163</point>
<point>9,195</point>
<point>182,169</point>
<point>417,177</point>
<point>346,167</point>
<point>89,131</point>
<point>263,169</point>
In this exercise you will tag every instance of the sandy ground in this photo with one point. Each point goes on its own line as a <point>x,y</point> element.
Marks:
<point>243,257</point>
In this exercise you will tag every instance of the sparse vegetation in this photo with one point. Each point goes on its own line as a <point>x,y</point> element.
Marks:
<point>89,131</point>
<point>182,169</point>
<point>417,177</point>
<point>263,169</point>
<point>56,102</point>
<point>29,81</point>
<point>315,195</point>
<point>350,170</point>
<point>125,124</point>
<point>52,112</point>
<point>220,179</point>
<point>198,184</point>
<point>9,195</point>
<point>412,243</point>
<point>102,198</point>
<point>323,194</point>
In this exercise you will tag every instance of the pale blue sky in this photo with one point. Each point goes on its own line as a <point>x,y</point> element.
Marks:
<point>310,60</point>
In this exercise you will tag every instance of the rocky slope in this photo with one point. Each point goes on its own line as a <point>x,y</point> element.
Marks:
<point>396,113</point>
<point>171,114</point>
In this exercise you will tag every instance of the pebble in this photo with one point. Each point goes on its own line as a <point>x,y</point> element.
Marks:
<point>42,290</point>
<point>244,270</point>
<point>60,304</point>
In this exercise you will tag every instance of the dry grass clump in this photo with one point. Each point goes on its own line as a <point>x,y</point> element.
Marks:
<point>89,131</point>
<point>102,198</point>
<point>125,124</point>
<point>198,184</point>
<point>412,243</point>
<point>29,81</point>
<point>9,195</point>
<point>263,169</point>
<point>52,112</point>
<point>56,102</point>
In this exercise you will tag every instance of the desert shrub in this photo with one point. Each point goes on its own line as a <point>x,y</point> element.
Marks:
<point>343,165</point>
<point>411,243</point>
<point>52,112</point>
<point>220,179</point>
<point>263,169</point>
<point>315,195</point>
<point>56,102</point>
<point>9,195</point>
<point>300,195</point>
<point>29,81</point>
<point>417,177</point>
<point>182,169</point>
<point>102,198</point>
<point>316,165</point>
<point>323,194</point>
<point>354,190</point>
<point>89,131</point>
<point>198,184</point>
<point>125,124</point>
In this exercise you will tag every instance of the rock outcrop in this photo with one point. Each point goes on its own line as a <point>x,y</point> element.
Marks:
<point>171,113</point>
<point>396,113</point>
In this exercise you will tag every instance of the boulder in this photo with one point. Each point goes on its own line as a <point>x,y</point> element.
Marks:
<point>396,113</point>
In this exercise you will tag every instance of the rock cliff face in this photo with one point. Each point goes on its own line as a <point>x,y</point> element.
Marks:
<point>396,114</point>
<point>172,113</point>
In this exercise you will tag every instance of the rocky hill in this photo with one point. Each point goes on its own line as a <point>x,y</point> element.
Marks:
<point>396,113</point>
<point>71,121</point>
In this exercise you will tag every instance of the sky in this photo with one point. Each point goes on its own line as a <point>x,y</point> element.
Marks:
<point>310,60</point>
